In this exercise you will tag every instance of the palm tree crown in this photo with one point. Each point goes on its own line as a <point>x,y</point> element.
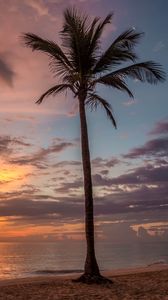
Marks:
<point>81,66</point>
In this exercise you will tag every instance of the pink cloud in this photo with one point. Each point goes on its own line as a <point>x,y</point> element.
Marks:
<point>38,5</point>
<point>160,128</point>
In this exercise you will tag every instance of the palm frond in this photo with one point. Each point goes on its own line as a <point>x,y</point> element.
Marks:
<point>112,57</point>
<point>119,51</point>
<point>97,32</point>
<point>78,36</point>
<point>74,37</point>
<point>94,100</point>
<point>128,39</point>
<point>50,48</point>
<point>146,71</point>
<point>91,46</point>
<point>115,81</point>
<point>92,27</point>
<point>54,91</point>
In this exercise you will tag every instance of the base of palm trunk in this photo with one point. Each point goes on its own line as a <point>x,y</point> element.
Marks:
<point>93,278</point>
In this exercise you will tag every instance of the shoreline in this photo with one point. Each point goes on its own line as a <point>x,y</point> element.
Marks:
<point>109,273</point>
<point>149,283</point>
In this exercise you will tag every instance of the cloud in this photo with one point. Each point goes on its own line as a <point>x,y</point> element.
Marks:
<point>65,163</point>
<point>43,8</point>
<point>130,102</point>
<point>146,175</point>
<point>75,182</point>
<point>39,6</point>
<point>160,128</point>
<point>39,208</point>
<point>6,72</point>
<point>99,162</point>
<point>126,193</point>
<point>7,144</point>
<point>20,117</point>
<point>157,148</point>
<point>119,232</point>
<point>40,156</point>
<point>31,204</point>
<point>147,182</point>
<point>66,187</point>
<point>99,180</point>
<point>132,204</point>
<point>104,172</point>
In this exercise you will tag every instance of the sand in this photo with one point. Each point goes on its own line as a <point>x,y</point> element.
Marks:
<point>141,283</point>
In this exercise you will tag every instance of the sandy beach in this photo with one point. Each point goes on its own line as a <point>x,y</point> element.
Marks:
<point>140,283</point>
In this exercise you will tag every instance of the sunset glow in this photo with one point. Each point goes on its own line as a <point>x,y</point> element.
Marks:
<point>10,174</point>
<point>13,177</point>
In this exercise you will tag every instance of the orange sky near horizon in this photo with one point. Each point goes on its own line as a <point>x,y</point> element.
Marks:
<point>13,177</point>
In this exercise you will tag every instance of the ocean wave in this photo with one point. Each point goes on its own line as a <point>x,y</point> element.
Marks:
<point>57,272</point>
<point>158,262</point>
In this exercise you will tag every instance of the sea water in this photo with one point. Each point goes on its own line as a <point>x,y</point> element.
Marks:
<point>33,259</point>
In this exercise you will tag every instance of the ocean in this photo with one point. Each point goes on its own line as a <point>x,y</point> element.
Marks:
<point>20,260</point>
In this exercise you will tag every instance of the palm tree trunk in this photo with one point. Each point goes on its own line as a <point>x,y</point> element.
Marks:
<point>91,266</point>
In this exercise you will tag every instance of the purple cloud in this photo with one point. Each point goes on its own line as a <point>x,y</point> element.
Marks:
<point>28,205</point>
<point>157,147</point>
<point>100,162</point>
<point>40,156</point>
<point>160,128</point>
<point>147,175</point>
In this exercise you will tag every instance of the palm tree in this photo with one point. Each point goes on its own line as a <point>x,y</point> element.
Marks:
<point>81,67</point>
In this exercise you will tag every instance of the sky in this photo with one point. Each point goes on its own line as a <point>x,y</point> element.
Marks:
<point>41,181</point>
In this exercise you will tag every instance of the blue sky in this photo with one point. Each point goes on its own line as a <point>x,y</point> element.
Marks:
<point>40,145</point>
